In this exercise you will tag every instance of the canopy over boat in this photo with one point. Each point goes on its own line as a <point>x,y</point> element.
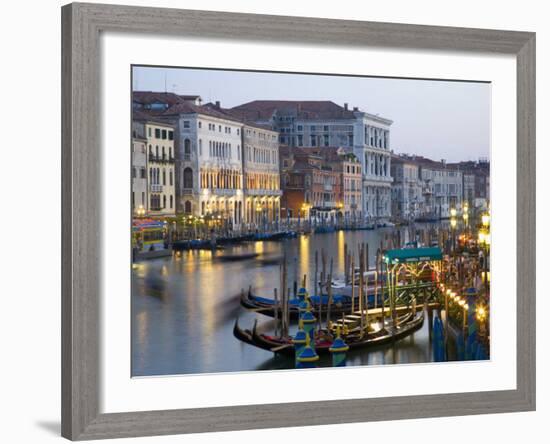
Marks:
<point>413,255</point>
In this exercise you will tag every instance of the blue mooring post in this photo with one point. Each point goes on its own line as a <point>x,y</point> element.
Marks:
<point>460,355</point>
<point>302,294</point>
<point>438,341</point>
<point>308,357</point>
<point>471,341</point>
<point>299,342</point>
<point>338,349</point>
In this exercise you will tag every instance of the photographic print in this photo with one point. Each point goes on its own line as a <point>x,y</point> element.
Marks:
<point>300,220</point>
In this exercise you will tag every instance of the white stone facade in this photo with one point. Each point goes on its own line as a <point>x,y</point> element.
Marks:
<point>262,188</point>
<point>209,166</point>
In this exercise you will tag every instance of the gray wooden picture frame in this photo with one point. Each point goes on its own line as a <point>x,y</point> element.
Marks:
<point>81,233</point>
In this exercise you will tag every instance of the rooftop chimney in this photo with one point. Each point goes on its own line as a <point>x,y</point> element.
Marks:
<point>346,106</point>
<point>355,108</point>
<point>218,104</point>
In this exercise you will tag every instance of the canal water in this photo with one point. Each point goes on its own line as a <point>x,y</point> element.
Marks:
<point>184,307</point>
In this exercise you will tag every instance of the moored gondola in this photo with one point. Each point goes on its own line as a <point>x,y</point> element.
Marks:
<point>407,324</point>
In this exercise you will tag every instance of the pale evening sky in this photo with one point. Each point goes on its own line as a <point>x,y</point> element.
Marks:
<point>436,119</point>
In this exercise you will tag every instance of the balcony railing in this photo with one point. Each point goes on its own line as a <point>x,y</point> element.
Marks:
<point>156,188</point>
<point>161,159</point>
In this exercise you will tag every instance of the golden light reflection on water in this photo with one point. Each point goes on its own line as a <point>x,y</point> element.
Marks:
<point>142,323</point>
<point>341,239</point>
<point>304,255</point>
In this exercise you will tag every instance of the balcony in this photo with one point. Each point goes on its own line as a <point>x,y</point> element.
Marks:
<point>263,192</point>
<point>156,188</point>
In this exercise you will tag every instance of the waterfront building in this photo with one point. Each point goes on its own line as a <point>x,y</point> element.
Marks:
<point>140,193</point>
<point>325,124</point>
<point>348,167</point>
<point>311,185</point>
<point>262,188</point>
<point>407,189</point>
<point>160,164</point>
<point>209,163</point>
<point>441,186</point>
<point>476,182</point>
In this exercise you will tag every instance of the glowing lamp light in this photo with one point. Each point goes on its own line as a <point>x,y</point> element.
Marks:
<point>485,219</point>
<point>453,212</point>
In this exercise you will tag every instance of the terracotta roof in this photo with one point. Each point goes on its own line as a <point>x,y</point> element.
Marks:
<point>142,116</point>
<point>236,115</point>
<point>148,97</point>
<point>191,108</point>
<point>302,109</point>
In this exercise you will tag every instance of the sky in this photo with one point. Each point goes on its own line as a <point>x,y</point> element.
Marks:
<point>432,118</point>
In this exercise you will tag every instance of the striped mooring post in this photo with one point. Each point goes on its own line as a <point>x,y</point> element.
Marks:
<point>308,357</point>
<point>299,341</point>
<point>309,320</point>
<point>338,349</point>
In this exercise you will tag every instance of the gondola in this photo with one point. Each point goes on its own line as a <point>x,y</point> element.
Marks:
<point>341,303</point>
<point>407,325</point>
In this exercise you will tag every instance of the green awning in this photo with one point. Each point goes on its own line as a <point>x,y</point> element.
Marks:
<point>413,255</point>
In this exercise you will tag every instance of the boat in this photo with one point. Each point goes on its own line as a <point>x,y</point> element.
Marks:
<point>193,244</point>
<point>406,325</point>
<point>324,229</point>
<point>341,303</point>
<point>279,235</point>
<point>236,257</point>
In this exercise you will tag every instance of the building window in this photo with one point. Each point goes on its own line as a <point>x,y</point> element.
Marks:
<point>187,149</point>
<point>164,177</point>
<point>200,124</point>
<point>187,178</point>
<point>149,131</point>
<point>164,201</point>
<point>171,178</point>
<point>187,207</point>
<point>186,124</point>
<point>157,133</point>
<point>170,135</point>
<point>326,139</point>
<point>164,134</point>
<point>200,147</point>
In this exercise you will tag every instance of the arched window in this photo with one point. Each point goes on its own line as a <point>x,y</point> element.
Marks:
<point>164,201</point>
<point>187,149</point>
<point>187,178</point>
<point>187,207</point>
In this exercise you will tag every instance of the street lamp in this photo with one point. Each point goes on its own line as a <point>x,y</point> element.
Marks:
<point>453,227</point>
<point>485,219</point>
<point>140,211</point>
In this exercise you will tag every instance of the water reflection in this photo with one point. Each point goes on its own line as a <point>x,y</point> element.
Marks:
<point>184,307</point>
